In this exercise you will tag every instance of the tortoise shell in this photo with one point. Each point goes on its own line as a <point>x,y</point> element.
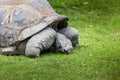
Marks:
<point>21,19</point>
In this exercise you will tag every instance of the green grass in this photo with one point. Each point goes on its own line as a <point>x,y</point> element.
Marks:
<point>97,57</point>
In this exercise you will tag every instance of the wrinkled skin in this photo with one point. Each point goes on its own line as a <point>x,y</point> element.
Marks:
<point>33,46</point>
<point>36,44</point>
<point>72,34</point>
<point>63,44</point>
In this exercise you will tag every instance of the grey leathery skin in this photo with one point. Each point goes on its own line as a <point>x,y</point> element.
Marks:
<point>63,44</point>
<point>8,50</point>
<point>39,42</point>
<point>21,47</point>
<point>72,34</point>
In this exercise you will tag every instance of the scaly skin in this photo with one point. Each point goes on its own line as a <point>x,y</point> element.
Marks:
<point>39,42</point>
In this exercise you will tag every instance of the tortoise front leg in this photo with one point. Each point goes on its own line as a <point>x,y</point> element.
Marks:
<point>39,42</point>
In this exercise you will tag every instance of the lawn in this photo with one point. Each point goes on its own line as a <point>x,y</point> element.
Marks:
<point>97,57</point>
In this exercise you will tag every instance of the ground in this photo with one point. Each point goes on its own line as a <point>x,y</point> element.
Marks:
<point>97,57</point>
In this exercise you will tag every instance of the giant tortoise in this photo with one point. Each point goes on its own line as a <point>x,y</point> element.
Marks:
<point>32,26</point>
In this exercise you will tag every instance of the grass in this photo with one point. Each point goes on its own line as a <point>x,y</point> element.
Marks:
<point>97,57</point>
